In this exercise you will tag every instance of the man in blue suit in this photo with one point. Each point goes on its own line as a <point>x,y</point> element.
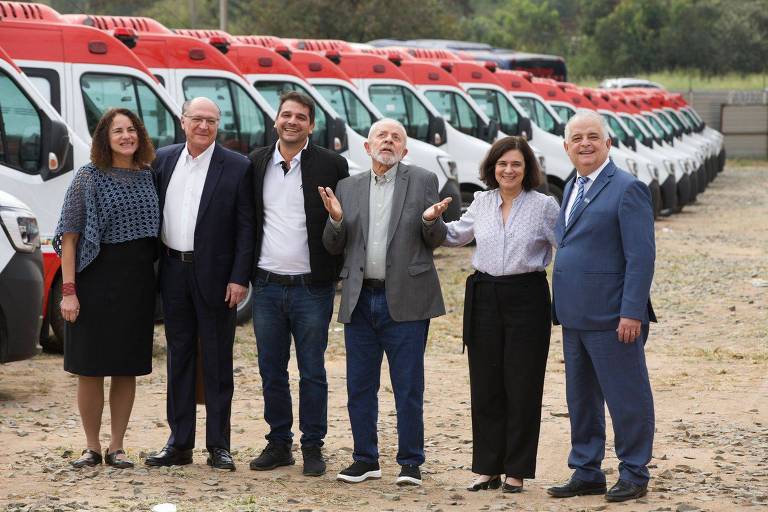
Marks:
<point>205,265</point>
<point>601,285</point>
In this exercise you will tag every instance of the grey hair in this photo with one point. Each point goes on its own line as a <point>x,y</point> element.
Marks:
<point>185,106</point>
<point>375,126</point>
<point>584,114</point>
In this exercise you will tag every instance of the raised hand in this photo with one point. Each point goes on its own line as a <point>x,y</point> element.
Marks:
<point>436,210</point>
<point>332,205</point>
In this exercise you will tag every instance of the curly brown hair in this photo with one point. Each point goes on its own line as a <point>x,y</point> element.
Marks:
<point>101,152</point>
<point>532,177</point>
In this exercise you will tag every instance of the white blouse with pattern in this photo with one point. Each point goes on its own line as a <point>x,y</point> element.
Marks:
<point>523,245</point>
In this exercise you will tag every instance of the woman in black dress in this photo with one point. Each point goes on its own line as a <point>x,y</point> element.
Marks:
<point>106,240</point>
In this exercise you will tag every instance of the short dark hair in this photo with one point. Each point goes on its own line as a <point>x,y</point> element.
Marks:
<point>101,152</point>
<point>301,98</point>
<point>532,177</point>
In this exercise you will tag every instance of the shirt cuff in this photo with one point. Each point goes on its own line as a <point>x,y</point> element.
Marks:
<point>336,224</point>
<point>428,222</point>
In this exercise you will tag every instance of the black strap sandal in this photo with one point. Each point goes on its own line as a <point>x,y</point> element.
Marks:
<point>89,458</point>
<point>112,460</point>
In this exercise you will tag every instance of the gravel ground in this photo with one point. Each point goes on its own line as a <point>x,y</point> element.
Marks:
<point>708,360</point>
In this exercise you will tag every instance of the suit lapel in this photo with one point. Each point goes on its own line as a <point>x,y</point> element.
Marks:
<point>566,198</point>
<point>211,179</point>
<point>398,200</point>
<point>364,198</point>
<point>170,166</point>
<point>599,184</point>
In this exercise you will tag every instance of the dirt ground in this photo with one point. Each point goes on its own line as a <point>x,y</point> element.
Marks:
<point>707,356</point>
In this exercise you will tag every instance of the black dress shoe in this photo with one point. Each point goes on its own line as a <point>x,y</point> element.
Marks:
<point>112,460</point>
<point>625,490</point>
<point>274,455</point>
<point>170,456</point>
<point>576,487</point>
<point>493,483</point>
<point>511,488</point>
<point>89,458</point>
<point>220,458</point>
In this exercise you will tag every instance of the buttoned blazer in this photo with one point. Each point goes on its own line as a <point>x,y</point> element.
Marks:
<point>223,244</point>
<point>605,256</point>
<point>319,168</point>
<point>412,284</point>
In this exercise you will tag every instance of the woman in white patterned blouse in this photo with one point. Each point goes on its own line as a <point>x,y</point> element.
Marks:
<point>507,318</point>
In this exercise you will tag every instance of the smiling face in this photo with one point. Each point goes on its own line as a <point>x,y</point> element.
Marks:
<point>510,171</point>
<point>200,122</point>
<point>292,124</point>
<point>123,138</point>
<point>587,144</point>
<point>386,144</point>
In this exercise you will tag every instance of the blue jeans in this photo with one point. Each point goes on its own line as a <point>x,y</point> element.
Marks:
<point>369,335</point>
<point>303,311</point>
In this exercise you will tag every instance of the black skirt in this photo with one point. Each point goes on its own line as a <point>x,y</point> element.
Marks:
<point>112,335</point>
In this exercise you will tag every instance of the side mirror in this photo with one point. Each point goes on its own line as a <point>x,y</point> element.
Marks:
<point>524,128</point>
<point>614,141</point>
<point>560,129</point>
<point>436,133</point>
<point>337,135</point>
<point>56,149</point>
<point>631,142</point>
<point>491,131</point>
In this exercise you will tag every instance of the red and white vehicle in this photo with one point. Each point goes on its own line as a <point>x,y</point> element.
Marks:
<point>80,72</point>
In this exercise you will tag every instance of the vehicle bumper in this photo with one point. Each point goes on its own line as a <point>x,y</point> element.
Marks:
<point>21,306</point>
<point>669,195</point>
<point>683,192</point>
<point>451,189</point>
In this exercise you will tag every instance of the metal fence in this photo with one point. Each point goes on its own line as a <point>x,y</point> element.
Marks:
<point>742,116</point>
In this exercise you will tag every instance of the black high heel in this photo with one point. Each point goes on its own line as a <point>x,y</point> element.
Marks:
<point>493,483</point>
<point>509,488</point>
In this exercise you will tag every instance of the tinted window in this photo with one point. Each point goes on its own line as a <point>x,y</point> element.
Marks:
<point>272,91</point>
<point>565,113</point>
<point>20,128</point>
<point>547,121</point>
<point>656,125</point>
<point>238,112</point>
<point>497,107</point>
<point>616,128</point>
<point>530,109</point>
<point>636,131</point>
<point>344,101</point>
<point>400,103</point>
<point>102,92</point>
<point>456,111</point>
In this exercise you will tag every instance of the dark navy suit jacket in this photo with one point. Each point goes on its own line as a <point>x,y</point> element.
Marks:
<point>224,228</point>
<point>605,257</point>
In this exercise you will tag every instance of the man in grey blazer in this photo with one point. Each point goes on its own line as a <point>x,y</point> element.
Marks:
<point>386,223</point>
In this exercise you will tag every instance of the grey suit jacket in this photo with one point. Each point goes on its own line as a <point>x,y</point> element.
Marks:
<point>412,284</point>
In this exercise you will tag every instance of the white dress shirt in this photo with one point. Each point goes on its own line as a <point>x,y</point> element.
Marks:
<point>590,180</point>
<point>182,199</point>
<point>522,244</point>
<point>285,245</point>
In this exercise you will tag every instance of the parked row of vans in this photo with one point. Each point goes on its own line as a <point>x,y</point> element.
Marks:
<point>69,69</point>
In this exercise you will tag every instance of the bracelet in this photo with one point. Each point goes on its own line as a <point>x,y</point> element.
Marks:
<point>67,289</point>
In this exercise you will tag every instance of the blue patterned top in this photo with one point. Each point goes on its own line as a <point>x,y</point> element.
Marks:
<point>107,207</point>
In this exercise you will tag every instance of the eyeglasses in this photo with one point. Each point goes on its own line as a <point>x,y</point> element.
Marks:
<point>197,121</point>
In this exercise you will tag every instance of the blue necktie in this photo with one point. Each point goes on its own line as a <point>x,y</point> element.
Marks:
<point>580,181</point>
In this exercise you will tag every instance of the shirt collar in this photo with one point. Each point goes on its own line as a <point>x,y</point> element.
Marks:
<point>388,176</point>
<point>277,157</point>
<point>594,174</point>
<point>188,156</point>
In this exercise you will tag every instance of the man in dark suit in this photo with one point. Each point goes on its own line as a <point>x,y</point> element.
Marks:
<point>387,223</point>
<point>601,286</point>
<point>205,265</point>
<point>294,280</point>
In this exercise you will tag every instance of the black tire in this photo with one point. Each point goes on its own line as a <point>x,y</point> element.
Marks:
<point>244,308</point>
<point>54,343</point>
<point>556,191</point>
<point>657,202</point>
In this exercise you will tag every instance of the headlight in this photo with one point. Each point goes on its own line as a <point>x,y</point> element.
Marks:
<point>448,166</point>
<point>21,227</point>
<point>632,166</point>
<point>654,171</point>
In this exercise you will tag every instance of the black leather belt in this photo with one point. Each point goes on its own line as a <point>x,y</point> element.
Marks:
<point>284,280</point>
<point>374,283</point>
<point>184,257</point>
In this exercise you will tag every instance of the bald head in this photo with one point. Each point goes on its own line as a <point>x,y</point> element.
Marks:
<point>200,100</point>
